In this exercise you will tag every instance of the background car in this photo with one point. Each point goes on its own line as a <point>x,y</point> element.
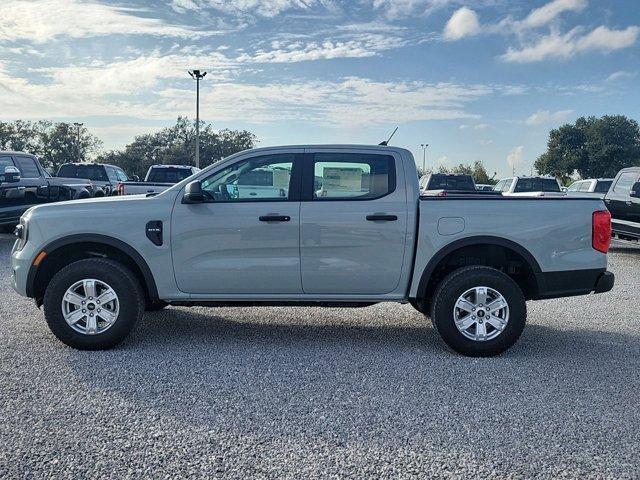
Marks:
<point>105,177</point>
<point>592,187</point>
<point>530,186</point>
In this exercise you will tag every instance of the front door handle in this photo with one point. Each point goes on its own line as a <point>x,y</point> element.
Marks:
<point>382,218</point>
<point>274,218</point>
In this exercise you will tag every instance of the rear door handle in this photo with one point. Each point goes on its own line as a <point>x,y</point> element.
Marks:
<point>274,218</point>
<point>382,218</point>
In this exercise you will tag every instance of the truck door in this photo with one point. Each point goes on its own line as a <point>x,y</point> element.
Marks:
<point>618,199</point>
<point>236,242</point>
<point>353,222</point>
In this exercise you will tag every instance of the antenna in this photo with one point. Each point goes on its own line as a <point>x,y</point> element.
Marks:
<point>386,142</point>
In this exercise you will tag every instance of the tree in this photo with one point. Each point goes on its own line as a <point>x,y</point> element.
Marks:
<point>593,147</point>
<point>477,171</point>
<point>53,143</point>
<point>176,145</point>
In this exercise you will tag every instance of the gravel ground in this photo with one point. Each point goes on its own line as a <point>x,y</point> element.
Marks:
<point>302,392</point>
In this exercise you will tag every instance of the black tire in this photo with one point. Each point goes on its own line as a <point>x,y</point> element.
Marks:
<point>458,282</point>
<point>119,278</point>
<point>418,305</point>
<point>155,306</point>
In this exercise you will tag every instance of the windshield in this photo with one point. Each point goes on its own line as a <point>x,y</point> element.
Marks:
<point>168,175</point>
<point>88,172</point>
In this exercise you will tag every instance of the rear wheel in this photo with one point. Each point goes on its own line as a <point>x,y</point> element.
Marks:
<point>93,304</point>
<point>479,311</point>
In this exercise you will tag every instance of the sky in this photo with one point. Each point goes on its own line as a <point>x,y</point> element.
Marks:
<point>475,80</point>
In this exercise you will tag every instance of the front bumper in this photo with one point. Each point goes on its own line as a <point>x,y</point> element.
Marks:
<point>20,264</point>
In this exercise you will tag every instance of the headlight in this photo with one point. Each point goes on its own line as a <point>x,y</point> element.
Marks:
<point>22,233</point>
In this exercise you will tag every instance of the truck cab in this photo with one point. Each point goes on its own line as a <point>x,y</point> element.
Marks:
<point>623,201</point>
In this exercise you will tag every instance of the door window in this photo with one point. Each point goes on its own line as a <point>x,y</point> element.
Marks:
<point>263,178</point>
<point>352,176</point>
<point>585,187</point>
<point>28,167</point>
<point>603,186</point>
<point>5,162</point>
<point>111,173</point>
<point>625,182</point>
<point>575,187</point>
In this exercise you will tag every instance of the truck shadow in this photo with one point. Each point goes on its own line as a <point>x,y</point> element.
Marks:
<point>249,373</point>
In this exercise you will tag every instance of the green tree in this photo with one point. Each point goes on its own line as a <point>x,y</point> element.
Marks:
<point>176,145</point>
<point>53,143</point>
<point>593,147</point>
<point>477,171</point>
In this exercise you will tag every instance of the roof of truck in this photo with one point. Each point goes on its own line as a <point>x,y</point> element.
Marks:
<point>15,152</point>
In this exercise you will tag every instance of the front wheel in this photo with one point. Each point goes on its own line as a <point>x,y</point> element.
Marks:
<point>93,304</point>
<point>479,311</point>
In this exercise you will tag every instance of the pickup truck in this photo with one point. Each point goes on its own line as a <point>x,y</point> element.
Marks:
<point>470,262</point>
<point>158,179</point>
<point>440,184</point>
<point>25,183</point>
<point>105,177</point>
<point>591,187</point>
<point>530,187</point>
<point>623,201</point>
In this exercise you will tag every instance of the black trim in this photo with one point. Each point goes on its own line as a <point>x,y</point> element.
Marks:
<point>473,196</point>
<point>470,241</point>
<point>270,303</point>
<point>106,240</point>
<point>573,282</point>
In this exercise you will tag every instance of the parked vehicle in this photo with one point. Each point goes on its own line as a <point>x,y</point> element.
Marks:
<point>530,186</point>
<point>25,183</point>
<point>593,187</point>
<point>441,184</point>
<point>469,263</point>
<point>158,179</point>
<point>623,201</point>
<point>105,177</point>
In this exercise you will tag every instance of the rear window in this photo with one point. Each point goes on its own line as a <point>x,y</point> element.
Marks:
<point>603,186</point>
<point>451,182</point>
<point>88,172</point>
<point>168,175</point>
<point>537,185</point>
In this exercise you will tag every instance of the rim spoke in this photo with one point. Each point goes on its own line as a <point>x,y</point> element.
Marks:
<point>92,325</point>
<point>481,331</point>
<point>107,315</point>
<point>496,322</point>
<point>465,305</point>
<point>497,304</point>
<point>89,288</point>
<point>107,296</point>
<point>74,317</point>
<point>465,322</point>
<point>74,298</point>
<point>481,296</point>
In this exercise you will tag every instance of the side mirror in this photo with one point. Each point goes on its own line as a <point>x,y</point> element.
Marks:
<point>11,175</point>
<point>135,178</point>
<point>635,190</point>
<point>193,193</point>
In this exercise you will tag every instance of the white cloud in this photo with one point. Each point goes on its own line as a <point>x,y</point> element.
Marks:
<point>481,126</point>
<point>43,20</point>
<point>463,23</point>
<point>548,12</point>
<point>263,8</point>
<point>515,157</point>
<point>572,43</point>
<point>621,75</point>
<point>545,117</point>
<point>365,45</point>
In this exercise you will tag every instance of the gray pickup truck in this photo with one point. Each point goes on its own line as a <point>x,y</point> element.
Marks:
<point>343,226</point>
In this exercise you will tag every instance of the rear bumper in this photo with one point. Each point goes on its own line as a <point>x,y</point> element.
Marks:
<point>625,228</point>
<point>574,282</point>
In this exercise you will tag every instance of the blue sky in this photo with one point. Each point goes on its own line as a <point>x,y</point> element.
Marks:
<point>476,80</point>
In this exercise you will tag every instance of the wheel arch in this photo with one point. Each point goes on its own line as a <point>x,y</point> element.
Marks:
<point>491,251</point>
<point>75,247</point>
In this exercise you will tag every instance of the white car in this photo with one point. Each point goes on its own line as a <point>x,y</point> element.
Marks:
<point>530,187</point>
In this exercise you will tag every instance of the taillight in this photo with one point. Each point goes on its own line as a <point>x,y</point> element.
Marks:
<point>601,238</point>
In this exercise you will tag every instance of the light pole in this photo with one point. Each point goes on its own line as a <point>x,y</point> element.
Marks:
<point>424,157</point>
<point>78,127</point>
<point>197,75</point>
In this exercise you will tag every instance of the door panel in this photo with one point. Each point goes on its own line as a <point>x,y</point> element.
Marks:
<point>342,252</point>
<point>240,242</point>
